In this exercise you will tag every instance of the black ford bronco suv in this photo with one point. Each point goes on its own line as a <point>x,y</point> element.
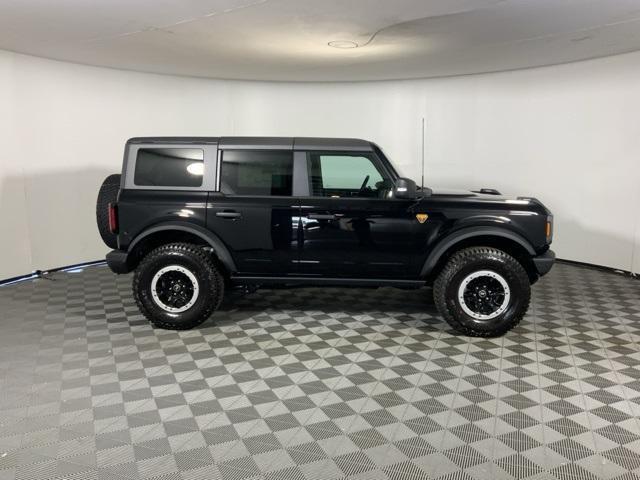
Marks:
<point>194,216</point>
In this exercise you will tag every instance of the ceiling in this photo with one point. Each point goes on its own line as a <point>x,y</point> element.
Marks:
<point>288,39</point>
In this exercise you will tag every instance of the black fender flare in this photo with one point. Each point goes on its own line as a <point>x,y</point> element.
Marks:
<point>450,240</point>
<point>220,249</point>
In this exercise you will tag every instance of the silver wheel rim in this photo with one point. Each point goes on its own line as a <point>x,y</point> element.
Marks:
<point>470,282</point>
<point>156,295</point>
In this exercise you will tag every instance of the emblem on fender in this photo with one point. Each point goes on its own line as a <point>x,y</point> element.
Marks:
<point>422,217</point>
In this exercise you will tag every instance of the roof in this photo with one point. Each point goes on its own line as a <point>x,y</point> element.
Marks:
<point>265,143</point>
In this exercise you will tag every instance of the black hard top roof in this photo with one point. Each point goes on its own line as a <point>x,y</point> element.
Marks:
<point>264,143</point>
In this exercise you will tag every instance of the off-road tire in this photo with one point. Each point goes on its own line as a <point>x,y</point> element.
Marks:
<point>107,194</point>
<point>467,261</point>
<point>200,263</point>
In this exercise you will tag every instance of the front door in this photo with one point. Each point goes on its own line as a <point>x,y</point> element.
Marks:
<point>254,213</point>
<point>351,226</point>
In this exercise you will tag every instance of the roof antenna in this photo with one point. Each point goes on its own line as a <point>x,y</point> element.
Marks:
<point>422,183</point>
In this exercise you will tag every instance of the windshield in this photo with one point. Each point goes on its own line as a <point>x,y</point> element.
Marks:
<point>385,159</point>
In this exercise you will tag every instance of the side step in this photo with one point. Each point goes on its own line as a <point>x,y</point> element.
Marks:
<point>323,281</point>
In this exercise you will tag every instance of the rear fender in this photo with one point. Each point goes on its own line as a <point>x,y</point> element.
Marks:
<point>219,248</point>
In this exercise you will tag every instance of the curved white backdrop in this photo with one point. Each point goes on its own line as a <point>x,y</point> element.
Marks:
<point>567,134</point>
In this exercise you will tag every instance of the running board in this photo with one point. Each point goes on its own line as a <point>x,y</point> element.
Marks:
<point>350,282</point>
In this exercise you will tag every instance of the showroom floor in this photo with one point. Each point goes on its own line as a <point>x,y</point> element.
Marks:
<point>318,383</point>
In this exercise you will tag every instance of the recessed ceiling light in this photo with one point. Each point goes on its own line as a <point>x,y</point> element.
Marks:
<point>343,44</point>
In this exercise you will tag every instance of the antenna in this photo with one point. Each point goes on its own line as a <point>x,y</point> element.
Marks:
<point>422,184</point>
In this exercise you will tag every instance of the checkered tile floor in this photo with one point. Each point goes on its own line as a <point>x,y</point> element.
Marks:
<point>318,384</point>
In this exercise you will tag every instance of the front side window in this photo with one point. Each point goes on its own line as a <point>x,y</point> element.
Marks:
<point>169,167</point>
<point>346,175</point>
<point>258,172</point>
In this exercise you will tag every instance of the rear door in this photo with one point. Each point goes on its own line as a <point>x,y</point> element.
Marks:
<point>351,226</point>
<point>253,210</point>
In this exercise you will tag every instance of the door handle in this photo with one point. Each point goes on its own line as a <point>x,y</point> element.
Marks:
<point>230,215</point>
<point>322,216</point>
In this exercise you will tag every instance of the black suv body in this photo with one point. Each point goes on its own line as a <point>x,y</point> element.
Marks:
<point>315,211</point>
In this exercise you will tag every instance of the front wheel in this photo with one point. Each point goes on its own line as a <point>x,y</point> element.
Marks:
<point>482,292</point>
<point>178,286</point>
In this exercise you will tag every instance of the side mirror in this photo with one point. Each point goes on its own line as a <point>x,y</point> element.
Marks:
<point>405,188</point>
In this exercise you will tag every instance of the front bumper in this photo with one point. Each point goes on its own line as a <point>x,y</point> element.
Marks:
<point>118,261</point>
<point>544,262</point>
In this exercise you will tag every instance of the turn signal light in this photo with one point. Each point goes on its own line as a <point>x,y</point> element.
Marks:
<point>113,218</point>
<point>549,228</point>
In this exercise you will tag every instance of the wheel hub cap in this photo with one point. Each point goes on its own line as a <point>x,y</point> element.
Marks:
<point>174,288</point>
<point>484,295</point>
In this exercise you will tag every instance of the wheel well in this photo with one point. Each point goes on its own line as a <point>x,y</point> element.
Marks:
<point>157,239</point>
<point>511,247</point>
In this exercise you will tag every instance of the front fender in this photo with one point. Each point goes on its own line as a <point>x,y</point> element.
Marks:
<point>469,232</point>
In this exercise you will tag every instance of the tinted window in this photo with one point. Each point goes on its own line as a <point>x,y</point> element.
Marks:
<point>169,167</point>
<point>246,172</point>
<point>343,174</point>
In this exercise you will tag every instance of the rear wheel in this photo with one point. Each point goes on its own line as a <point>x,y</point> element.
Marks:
<point>178,286</point>
<point>482,292</point>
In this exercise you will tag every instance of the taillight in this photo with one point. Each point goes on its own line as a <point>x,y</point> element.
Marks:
<point>113,218</point>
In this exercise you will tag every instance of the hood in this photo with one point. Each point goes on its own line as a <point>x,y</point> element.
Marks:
<point>453,192</point>
<point>488,195</point>
<point>450,192</point>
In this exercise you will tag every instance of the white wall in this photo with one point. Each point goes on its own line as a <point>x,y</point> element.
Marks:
<point>569,135</point>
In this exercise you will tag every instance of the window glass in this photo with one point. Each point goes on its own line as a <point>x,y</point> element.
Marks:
<point>246,172</point>
<point>340,175</point>
<point>169,167</point>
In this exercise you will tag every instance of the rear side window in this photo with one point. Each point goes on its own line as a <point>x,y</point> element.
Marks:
<point>264,173</point>
<point>169,167</point>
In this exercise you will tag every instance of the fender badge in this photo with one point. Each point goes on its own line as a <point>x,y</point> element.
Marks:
<point>422,217</point>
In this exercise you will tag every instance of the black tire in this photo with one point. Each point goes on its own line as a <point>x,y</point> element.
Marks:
<point>107,194</point>
<point>475,259</point>
<point>200,264</point>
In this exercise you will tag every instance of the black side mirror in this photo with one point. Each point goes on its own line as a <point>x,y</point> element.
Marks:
<point>405,188</point>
